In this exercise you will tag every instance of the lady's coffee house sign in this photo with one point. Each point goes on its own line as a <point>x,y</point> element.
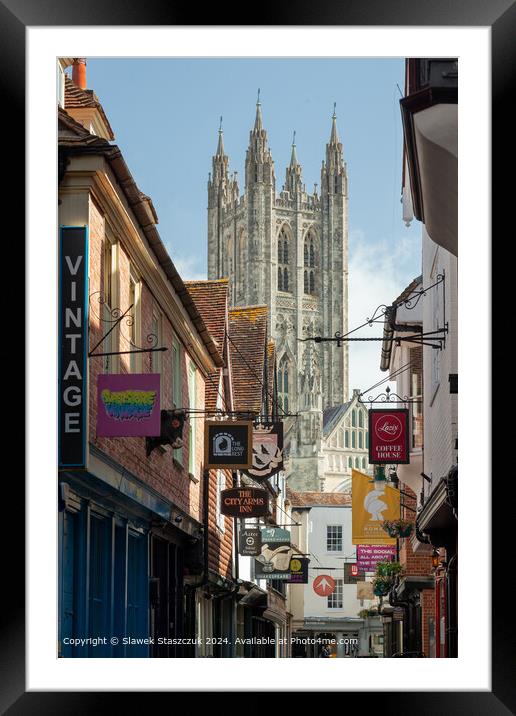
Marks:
<point>389,436</point>
<point>244,502</point>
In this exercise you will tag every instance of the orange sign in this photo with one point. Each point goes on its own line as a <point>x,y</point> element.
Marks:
<point>324,585</point>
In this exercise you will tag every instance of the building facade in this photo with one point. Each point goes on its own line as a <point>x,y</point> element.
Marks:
<point>289,252</point>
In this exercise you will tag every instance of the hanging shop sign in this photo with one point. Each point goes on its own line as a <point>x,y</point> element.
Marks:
<point>250,542</point>
<point>389,436</point>
<point>244,502</point>
<point>170,433</point>
<point>323,585</point>
<point>368,555</point>
<point>73,345</point>
<point>128,405</point>
<point>372,502</point>
<point>273,561</point>
<point>228,444</point>
<point>267,451</point>
<point>352,574</point>
<point>365,590</point>
<point>298,570</point>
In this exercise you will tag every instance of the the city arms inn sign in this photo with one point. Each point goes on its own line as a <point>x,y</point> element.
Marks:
<point>72,348</point>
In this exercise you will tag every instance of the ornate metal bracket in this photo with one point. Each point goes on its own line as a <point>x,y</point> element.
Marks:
<point>388,397</point>
<point>116,318</point>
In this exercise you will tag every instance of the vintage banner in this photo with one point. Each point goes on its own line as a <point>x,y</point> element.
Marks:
<point>372,503</point>
<point>368,555</point>
<point>298,570</point>
<point>128,405</point>
<point>73,345</point>
<point>267,451</point>
<point>228,444</point>
<point>250,542</point>
<point>389,436</point>
<point>365,590</point>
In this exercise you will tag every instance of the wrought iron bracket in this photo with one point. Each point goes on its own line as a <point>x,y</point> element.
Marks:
<point>389,397</point>
<point>116,319</point>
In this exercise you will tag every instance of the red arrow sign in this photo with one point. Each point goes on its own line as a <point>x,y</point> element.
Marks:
<point>324,585</point>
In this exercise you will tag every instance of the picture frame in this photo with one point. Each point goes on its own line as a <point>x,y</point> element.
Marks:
<point>15,18</point>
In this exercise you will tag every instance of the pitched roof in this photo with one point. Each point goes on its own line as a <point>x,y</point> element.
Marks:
<point>247,337</point>
<point>77,98</point>
<point>211,300</point>
<point>331,416</point>
<point>314,499</point>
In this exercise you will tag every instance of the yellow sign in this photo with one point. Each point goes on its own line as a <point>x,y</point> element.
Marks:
<point>372,503</point>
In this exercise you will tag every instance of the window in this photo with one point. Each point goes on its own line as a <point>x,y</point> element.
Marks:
<point>135,325</point>
<point>360,418</point>
<point>353,439</point>
<point>334,538</point>
<point>363,463</point>
<point>310,263</point>
<point>354,418</point>
<point>283,262</point>
<point>335,600</point>
<point>360,439</point>
<point>347,438</point>
<point>357,463</point>
<point>110,302</point>
<point>156,357</point>
<point>350,462</point>
<point>283,380</point>
<point>192,423</point>
<point>221,485</point>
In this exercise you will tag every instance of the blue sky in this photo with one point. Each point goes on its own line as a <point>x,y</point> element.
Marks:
<point>165,117</point>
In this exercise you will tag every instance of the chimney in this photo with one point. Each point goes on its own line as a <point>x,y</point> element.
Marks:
<point>79,72</point>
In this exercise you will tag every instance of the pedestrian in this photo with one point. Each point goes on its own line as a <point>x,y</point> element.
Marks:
<point>325,652</point>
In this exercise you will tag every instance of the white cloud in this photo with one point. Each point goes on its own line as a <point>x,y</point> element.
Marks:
<point>378,273</point>
<point>188,267</point>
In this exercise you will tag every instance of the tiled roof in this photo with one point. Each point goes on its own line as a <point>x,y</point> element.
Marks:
<point>313,499</point>
<point>211,300</point>
<point>410,289</point>
<point>331,416</point>
<point>77,98</point>
<point>247,336</point>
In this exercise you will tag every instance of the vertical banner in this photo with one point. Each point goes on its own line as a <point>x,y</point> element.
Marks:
<point>389,436</point>
<point>73,345</point>
<point>372,503</point>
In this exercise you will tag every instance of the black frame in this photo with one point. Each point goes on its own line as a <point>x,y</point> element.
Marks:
<point>15,15</point>
<point>405,411</point>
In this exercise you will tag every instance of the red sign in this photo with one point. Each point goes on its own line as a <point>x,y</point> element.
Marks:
<point>324,585</point>
<point>389,436</point>
<point>354,570</point>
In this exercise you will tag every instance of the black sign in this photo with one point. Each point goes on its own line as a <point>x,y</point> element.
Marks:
<point>298,570</point>
<point>228,444</point>
<point>267,451</point>
<point>172,423</point>
<point>244,502</point>
<point>250,542</point>
<point>352,575</point>
<point>73,333</point>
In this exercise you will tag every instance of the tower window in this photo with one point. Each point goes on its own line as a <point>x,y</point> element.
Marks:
<point>283,381</point>
<point>283,262</point>
<point>310,263</point>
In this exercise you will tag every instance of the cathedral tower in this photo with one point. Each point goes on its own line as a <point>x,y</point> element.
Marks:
<point>289,252</point>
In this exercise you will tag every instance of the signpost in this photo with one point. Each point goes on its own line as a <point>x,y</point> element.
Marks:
<point>389,436</point>
<point>267,451</point>
<point>250,542</point>
<point>273,561</point>
<point>128,405</point>
<point>244,502</point>
<point>228,444</point>
<point>324,585</point>
<point>73,345</point>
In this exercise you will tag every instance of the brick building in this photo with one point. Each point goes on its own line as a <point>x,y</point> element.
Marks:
<point>131,544</point>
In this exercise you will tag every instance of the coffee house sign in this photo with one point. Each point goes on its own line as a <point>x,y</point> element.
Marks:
<point>389,436</point>
<point>72,327</point>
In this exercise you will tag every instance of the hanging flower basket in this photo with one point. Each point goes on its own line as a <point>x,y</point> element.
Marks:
<point>388,570</point>
<point>398,528</point>
<point>381,587</point>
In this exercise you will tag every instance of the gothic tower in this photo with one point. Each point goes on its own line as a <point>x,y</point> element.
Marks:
<point>289,252</point>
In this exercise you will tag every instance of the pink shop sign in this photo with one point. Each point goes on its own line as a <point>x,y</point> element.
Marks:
<point>369,554</point>
<point>128,405</point>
